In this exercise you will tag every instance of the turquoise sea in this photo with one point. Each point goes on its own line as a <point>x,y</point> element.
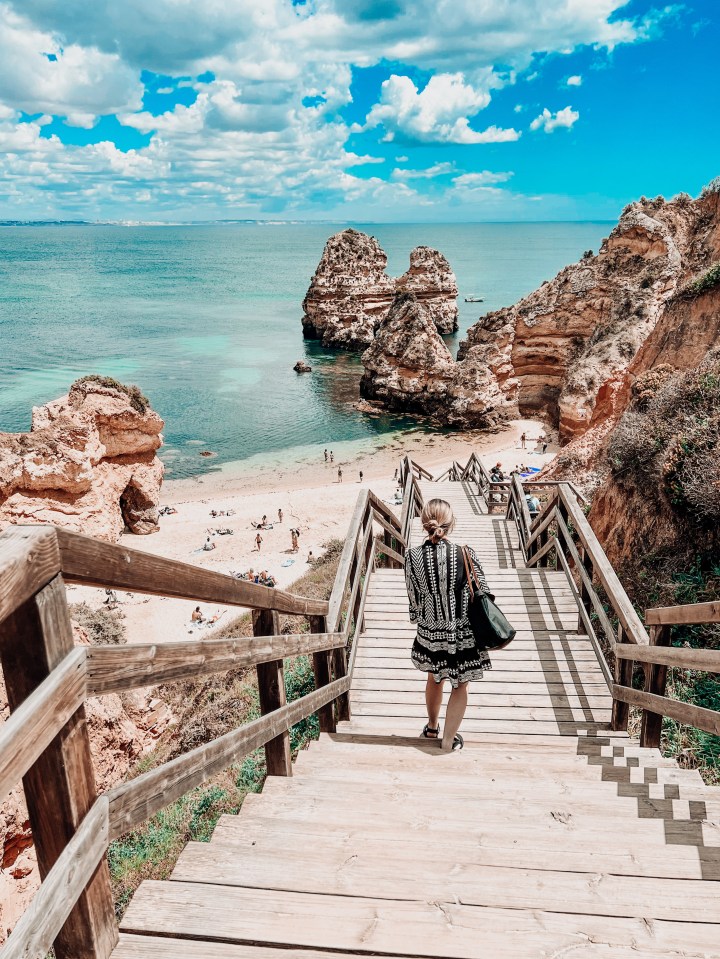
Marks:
<point>206,320</point>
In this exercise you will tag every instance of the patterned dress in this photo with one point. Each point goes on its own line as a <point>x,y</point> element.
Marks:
<point>439,597</point>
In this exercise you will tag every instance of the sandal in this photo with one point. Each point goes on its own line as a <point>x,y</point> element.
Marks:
<point>458,742</point>
<point>430,733</point>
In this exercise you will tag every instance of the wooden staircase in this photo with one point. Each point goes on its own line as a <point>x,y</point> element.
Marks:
<point>548,836</point>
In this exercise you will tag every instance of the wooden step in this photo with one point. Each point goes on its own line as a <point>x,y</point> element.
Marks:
<point>421,927</point>
<point>548,846</point>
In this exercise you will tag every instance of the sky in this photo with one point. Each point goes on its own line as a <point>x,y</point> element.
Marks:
<point>354,110</point>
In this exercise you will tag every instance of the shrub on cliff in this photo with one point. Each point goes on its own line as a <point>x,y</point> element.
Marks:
<point>104,627</point>
<point>137,398</point>
<point>670,436</point>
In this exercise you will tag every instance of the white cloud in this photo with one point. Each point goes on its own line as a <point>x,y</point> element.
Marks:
<point>548,121</point>
<point>481,179</point>
<point>574,81</point>
<point>438,169</point>
<point>38,74</point>
<point>437,114</point>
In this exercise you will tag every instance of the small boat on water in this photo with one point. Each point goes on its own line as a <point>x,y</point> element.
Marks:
<point>473,299</point>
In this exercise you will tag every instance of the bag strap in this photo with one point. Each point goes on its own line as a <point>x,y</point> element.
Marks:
<point>470,573</point>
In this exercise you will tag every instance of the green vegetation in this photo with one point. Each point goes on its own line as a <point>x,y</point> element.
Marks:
<point>103,626</point>
<point>667,443</point>
<point>204,709</point>
<point>709,280</point>
<point>138,400</point>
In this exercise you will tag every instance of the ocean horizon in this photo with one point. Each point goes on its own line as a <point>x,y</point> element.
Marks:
<point>205,318</point>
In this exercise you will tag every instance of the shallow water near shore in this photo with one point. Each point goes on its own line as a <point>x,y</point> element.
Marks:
<point>206,319</point>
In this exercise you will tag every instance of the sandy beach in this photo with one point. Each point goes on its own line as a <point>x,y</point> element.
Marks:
<point>312,498</point>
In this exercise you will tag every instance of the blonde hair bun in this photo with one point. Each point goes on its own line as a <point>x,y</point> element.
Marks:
<point>437,519</point>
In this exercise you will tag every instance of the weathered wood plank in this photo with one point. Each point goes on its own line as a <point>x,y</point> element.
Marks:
<point>346,560</point>
<point>708,660</point>
<point>29,560</point>
<point>60,786</point>
<point>133,802</point>
<point>705,719</point>
<point>114,669</point>
<point>39,718</point>
<point>39,926</point>
<point>634,629</point>
<point>94,563</point>
<point>371,926</point>
<point>693,613</point>
<point>271,694</point>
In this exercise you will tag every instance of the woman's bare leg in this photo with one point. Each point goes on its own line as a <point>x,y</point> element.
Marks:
<point>433,700</point>
<point>454,714</point>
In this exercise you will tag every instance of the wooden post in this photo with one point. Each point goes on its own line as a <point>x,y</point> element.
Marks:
<point>584,594</point>
<point>322,667</point>
<point>387,540</point>
<point>271,689</point>
<point>60,787</point>
<point>623,677</point>
<point>539,543</point>
<point>655,682</point>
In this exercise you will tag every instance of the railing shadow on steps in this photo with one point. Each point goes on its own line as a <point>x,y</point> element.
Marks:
<point>45,740</point>
<point>562,536</point>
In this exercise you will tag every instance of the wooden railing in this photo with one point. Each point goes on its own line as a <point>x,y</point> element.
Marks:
<point>412,504</point>
<point>658,657</point>
<point>45,741</point>
<point>561,536</point>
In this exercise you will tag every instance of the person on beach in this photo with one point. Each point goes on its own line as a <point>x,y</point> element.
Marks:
<point>258,542</point>
<point>544,445</point>
<point>294,539</point>
<point>197,616</point>
<point>361,476</point>
<point>339,474</point>
<point>522,441</point>
<point>326,456</point>
<point>209,544</point>
<point>310,557</point>
<point>332,456</point>
<point>280,516</point>
<point>397,472</point>
<point>439,596</point>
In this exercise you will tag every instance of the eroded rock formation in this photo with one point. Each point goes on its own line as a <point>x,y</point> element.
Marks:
<point>88,464</point>
<point>565,350</point>
<point>570,351</point>
<point>350,292</point>
<point>409,368</point>
<point>431,280</point>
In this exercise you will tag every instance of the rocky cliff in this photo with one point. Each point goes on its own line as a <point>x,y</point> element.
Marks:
<point>408,368</point>
<point>570,351</point>
<point>88,463</point>
<point>350,292</point>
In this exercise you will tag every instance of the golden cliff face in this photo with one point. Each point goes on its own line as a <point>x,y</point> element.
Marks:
<point>566,350</point>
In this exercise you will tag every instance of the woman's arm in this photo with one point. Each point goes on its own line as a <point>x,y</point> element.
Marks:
<point>479,573</point>
<point>411,590</point>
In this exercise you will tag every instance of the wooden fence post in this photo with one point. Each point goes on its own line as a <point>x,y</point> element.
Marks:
<point>623,677</point>
<point>271,689</point>
<point>655,682</point>
<point>322,667</point>
<point>584,594</point>
<point>60,787</point>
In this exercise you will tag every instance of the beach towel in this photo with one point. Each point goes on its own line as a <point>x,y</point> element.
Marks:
<point>287,562</point>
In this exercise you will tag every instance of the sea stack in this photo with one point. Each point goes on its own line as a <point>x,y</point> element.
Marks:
<point>88,463</point>
<point>408,367</point>
<point>433,284</point>
<point>350,292</point>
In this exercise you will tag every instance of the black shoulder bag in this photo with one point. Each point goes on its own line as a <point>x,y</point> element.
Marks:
<point>488,623</point>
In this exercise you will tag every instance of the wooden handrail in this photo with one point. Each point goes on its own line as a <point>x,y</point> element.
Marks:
<point>133,802</point>
<point>114,669</point>
<point>30,728</point>
<point>693,614</point>
<point>91,562</point>
<point>31,560</point>
<point>684,657</point>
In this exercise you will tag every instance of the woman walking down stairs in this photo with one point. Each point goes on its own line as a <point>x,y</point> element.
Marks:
<point>548,835</point>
